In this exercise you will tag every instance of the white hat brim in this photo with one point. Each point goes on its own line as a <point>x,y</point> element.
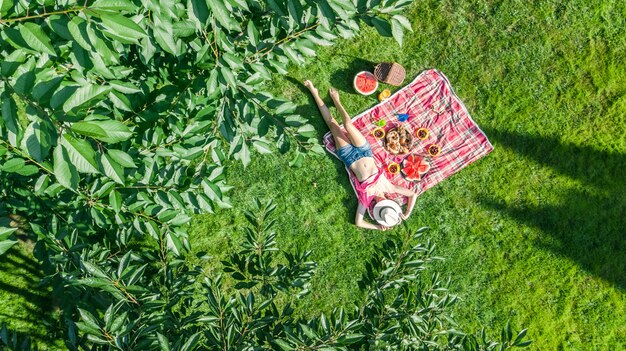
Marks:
<point>380,205</point>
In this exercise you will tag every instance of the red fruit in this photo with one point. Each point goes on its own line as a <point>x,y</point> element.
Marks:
<point>413,167</point>
<point>365,83</point>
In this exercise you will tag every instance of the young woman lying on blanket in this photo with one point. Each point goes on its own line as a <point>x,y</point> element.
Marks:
<point>354,150</point>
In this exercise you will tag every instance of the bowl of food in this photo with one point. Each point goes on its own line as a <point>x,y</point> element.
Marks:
<point>365,83</point>
<point>398,140</point>
<point>422,133</point>
<point>393,168</point>
<point>413,167</point>
<point>433,150</point>
<point>378,133</point>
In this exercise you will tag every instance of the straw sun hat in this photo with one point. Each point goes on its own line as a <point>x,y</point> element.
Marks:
<point>387,213</point>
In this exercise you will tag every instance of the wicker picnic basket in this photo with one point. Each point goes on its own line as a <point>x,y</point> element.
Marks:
<point>390,73</point>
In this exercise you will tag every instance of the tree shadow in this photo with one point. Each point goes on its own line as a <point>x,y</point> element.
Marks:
<point>22,283</point>
<point>312,112</point>
<point>343,78</point>
<point>589,224</point>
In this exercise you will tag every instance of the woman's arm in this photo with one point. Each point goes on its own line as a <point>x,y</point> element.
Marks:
<point>412,197</point>
<point>410,206</point>
<point>360,219</point>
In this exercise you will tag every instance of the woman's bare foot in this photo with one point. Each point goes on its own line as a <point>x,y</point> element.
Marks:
<point>311,87</point>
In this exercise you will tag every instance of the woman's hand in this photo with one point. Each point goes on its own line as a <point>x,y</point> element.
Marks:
<point>404,216</point>
<point>382,228</point>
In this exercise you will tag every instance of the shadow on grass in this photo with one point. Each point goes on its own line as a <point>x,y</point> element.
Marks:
<point>20,281</point>
<point>589,225</point>
<point>343,79</point>
<point>311,111</point>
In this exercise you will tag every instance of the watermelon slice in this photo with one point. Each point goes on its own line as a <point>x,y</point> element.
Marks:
<point>413,167</point>
<point>365,83</point>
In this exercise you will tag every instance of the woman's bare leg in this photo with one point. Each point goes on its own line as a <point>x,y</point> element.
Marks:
<point>355,136</point>
<point>340,137</point>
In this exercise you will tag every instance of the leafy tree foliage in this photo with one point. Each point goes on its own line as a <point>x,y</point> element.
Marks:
<point>117,115</point>
<point>134,302</point>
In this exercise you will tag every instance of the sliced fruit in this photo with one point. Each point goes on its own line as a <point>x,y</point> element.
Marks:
<point>365,83</point>
<point>413,167</point>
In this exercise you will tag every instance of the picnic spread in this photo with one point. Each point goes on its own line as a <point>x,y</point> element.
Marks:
<point>420,135</point>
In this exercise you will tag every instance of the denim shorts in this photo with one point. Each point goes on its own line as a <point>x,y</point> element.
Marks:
<point>350,153</point>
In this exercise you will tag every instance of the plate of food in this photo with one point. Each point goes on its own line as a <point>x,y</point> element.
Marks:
<point>398,140</point>
<point>413,167</point>
<point>365,83</point>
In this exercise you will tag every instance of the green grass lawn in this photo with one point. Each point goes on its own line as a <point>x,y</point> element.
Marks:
<point>534,232</point>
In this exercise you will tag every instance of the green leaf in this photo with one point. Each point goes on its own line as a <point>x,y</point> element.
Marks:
<point>122,28</point>
<point>94,270</point>
<point>42,92</point>
<point>115,200</point>
<point>307,131</point>
<point>397,30</point>
<point>327,15</point>
<point>166,40</point>
<point>112,169</point>
<point>13,165</point>
<point>28,170</point>
<point>233,61</point>
<point>113,5</point>
<point>7,239</point>
<point>64,171</point>
<point>253,33</point>
<point>174,243</point>
<point>90,129</point>
<point>89,319</point>
<point>124,87</point>
<point>383,27</point>
<point>297,160</point>
<point>115,131</point>
<point>84,95</point>
<point>228,76</point>
<point>78,29</point>
<point>404,22</point>
<point>111,131</point>
<point>349,339</point>
<point>191,342</point>
<point>198,11</point>
<point>244,154</point>
<point>211,190</point>
<point>124,159</point>
<point>223,16</point>
<point>163,342</point>
<point>81,154</point>
<point>35,37</point>
<point>262,146</point>
<point>520,336</point>
<point>6,232</point>
<point>283,344</point>
<point>183,29</point>
<point>118,322</point>
<point>9,113</point>
<point>239,4</point>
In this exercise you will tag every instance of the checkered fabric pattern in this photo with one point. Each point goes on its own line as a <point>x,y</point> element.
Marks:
<point>431,103</point>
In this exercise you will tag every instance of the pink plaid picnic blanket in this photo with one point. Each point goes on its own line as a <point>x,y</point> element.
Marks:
<point>430,103</point>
